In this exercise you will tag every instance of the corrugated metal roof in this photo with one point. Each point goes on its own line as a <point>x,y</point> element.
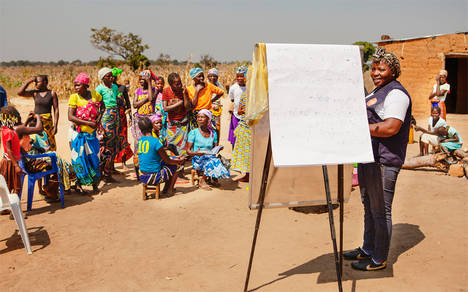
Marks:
<point>416,38</point>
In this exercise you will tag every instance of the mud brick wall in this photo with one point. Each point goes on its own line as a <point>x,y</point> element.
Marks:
<point>421,60</point>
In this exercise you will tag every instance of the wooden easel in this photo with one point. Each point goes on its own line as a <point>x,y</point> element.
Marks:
<point>261,200</point>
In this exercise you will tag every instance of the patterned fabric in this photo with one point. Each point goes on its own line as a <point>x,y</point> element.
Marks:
<point>173,97</point>
<point>148,107</point>
<point>125,152</point>
<point>110,123</point>
<point>39,143</point>
<point>388,57</point>
<point>48,125</point>
<point>232,128</point>
<point>242,70</point>
<point>194,72</point>
<point>240,160</point>
<point>210,165</point>
<point>86,109</point>
<point>161,176</point>
<point>85,157</point>
<point>177,132</point>
<point>136,133</point>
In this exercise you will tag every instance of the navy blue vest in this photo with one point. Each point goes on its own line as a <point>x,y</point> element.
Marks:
<point>391,150</point>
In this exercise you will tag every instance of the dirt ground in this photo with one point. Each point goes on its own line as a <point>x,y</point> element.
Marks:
<point>200,240</point>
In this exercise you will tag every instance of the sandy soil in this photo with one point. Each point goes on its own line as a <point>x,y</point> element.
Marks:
<point>200,240</point>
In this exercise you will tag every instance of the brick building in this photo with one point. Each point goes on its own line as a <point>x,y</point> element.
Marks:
<point>421,59</point>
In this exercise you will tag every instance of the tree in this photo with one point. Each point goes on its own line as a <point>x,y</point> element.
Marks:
<point>163,60</point>
<point>369,50</point>
<point>208,62</point>
<point>129,46</point>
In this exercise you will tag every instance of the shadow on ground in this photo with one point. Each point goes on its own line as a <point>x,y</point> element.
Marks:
<point>38,236</point>
<point>405,236</point>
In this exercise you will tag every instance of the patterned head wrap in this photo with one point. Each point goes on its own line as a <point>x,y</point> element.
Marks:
<point>209,115</point>
<point>103,72</point>
<point>443,72</point>
<point>156,117</point>
<point>148,73</point>
<point>9,117</point>
<point>389,58</point>
<point>194,72</point>
<point>213,71</point>
<point>242,70</point>
<point>82,78</point>
<point>116,71</point>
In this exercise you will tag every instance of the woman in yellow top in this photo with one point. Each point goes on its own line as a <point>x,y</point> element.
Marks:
<point>202,94</point>
<point>84,112</point>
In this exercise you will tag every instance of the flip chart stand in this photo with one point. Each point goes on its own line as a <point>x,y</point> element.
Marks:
<point>261,200</point>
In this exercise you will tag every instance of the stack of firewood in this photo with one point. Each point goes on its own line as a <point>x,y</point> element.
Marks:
<point>455,164</point>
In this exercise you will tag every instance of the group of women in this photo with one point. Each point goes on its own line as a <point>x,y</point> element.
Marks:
<point>185,123</point>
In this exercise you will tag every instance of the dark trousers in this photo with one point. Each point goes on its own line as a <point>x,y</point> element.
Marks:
<point>377,185</point>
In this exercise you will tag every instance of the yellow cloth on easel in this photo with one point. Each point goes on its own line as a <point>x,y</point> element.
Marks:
<point>257,85</point>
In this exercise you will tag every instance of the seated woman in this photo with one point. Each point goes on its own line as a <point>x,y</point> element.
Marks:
<point>155,166</point>
<point>200,142</point>
<point>38,143</point>
<point>426,138</point>
<point>453,141</point>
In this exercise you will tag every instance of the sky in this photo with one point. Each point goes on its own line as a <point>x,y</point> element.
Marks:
<point>50,30</point>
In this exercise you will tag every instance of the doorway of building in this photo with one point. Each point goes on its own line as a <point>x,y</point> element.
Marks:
<point>457,68</point>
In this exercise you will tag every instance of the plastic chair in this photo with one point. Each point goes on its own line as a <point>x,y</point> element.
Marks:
<point>32,177</point>
<point>12,202</point>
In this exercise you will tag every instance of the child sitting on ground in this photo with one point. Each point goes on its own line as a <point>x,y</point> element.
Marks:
<point>452,142</point>
<point>154,164</point>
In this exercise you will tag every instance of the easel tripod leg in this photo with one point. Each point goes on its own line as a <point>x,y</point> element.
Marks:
<point>332,225</point>
<point>261,200</point>
<point>341,203</point>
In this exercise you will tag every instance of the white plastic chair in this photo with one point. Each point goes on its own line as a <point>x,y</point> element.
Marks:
<point>12,202</point>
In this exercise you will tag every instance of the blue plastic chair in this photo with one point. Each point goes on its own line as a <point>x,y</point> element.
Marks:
<point>33,177</point>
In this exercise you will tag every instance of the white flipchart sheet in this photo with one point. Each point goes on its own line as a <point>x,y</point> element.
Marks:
<point>317,105</point>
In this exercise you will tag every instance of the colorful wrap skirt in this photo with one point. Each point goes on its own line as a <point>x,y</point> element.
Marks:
<point>210,165</point>
<point>156,178</point>
<point>12,177</point>
<point>240,159</point>
<point>232,127</point>
<point>124,150</point>
<point>110,123</point>
<point>177,133</point>
<point>48,125</point>
<point>85,157</point>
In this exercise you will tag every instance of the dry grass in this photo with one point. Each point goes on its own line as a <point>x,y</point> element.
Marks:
<point>61,77</point>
